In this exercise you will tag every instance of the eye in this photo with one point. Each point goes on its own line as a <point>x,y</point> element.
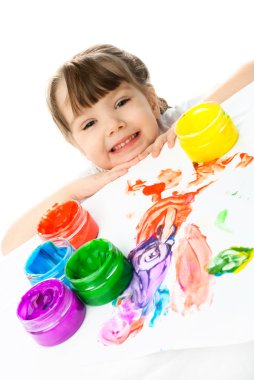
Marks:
<point>89,124</point>
<point>122,102</point>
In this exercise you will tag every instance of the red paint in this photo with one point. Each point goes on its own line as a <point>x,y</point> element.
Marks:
<point>168,178</point>
<point>68,220</point>
<point>154,190</point>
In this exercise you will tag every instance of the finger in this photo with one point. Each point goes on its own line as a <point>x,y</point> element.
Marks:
<point>146,152</point>
<point>171,137</point>
<point>157,146</point>
<point>126,165</point>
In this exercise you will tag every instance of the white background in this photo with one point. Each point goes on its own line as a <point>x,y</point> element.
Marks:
<point>188,46</point>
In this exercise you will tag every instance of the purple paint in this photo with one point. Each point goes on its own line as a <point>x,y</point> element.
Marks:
<point>51,312</point>
<point>151,261</point>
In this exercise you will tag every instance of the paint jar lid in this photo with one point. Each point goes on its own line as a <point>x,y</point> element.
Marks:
<point>98,272</point>
<point>48,260</point>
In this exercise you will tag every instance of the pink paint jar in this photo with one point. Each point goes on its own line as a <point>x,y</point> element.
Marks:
<point>70,221</point>
<point>51,312</point>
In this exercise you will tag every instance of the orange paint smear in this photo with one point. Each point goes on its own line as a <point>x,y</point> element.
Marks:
<point>136,326</point>
<point>245,160</point>
<point>203,170</point>
<point>156,214</point>
<point>138,185</point>
<point>170,177</point>
<point>194,284</point>
<point>154,190</point>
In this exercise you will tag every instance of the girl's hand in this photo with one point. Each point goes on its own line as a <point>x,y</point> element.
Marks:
<point>155,148</point>
<point>83,188</point>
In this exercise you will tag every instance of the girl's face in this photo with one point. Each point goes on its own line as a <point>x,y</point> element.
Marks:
<point>117,128</point>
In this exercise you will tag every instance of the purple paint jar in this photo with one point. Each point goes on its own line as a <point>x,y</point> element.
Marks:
<point>51,312</point>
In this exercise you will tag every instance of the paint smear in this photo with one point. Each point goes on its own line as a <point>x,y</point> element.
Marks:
<point>152,257</point>
<point>193,286</point>
<point>161,305</point>
<point>151,261</point>
<point>206,169</point>
<point>168,179</point>
<point>155,190</point>
<point>220,221</point>
<point>231,260</point>
<point>246,159</point>
<point>177,204</point>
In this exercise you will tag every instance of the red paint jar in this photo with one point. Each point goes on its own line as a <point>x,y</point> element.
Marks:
<point>70,221</point>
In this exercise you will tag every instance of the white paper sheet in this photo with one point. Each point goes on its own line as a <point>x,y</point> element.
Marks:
<point>229,318</point>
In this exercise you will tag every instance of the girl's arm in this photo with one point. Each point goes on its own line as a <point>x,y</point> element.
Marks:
<point>241,78</point>
<point>26,226</point>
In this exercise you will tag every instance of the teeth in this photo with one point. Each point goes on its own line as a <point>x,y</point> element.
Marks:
<point>119,146</point>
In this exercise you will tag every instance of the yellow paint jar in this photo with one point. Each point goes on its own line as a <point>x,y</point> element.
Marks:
<point>206,132</point>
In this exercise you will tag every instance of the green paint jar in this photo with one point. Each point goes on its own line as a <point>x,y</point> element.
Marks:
<point>98,272</point>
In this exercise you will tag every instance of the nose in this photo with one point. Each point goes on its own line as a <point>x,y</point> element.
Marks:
<point>113,125</point>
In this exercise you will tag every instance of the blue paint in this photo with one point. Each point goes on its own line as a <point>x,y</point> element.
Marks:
<point>161,304</point>
<point>48,260</point>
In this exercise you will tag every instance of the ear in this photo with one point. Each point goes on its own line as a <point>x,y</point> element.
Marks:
<point>153,101</point>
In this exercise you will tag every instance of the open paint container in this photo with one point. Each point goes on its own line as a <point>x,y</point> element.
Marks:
<point>206,132</point>
<point>98,272</point>
<point>48,260</point>
<point>70,221</point>
<point>51,312</point>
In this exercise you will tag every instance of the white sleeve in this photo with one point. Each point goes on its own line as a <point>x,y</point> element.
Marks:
<point>172,114</point>
<point>91,170</point>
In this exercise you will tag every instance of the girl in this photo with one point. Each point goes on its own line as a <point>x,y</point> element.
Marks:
<point>104,105</point>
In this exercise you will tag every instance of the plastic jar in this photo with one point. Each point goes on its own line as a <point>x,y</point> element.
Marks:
<point>206,132</point>
<point>51,312</point>
<point>98,272</point>
<point>70,221</point>
<point>48,260</point>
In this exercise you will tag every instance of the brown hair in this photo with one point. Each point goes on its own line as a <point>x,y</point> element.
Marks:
<point>92,74</point>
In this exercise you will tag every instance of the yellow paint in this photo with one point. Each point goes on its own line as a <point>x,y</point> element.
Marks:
<point>241,267</point>
<point>206,132</point>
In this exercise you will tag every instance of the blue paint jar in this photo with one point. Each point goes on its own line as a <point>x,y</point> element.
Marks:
<point>48,260</point>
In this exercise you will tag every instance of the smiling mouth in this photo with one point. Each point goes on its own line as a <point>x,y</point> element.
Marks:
<point>122,144</point>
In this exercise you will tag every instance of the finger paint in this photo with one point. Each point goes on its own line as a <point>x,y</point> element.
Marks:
<point>231,260</point>
<point>68,220</point>
<point>98,272</point>
<point>50,312</point>
<point>48,260</point>
<point>206,132</point>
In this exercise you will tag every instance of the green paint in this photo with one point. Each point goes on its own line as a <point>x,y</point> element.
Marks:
<point>230,260</point>
<point>220,220</point>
